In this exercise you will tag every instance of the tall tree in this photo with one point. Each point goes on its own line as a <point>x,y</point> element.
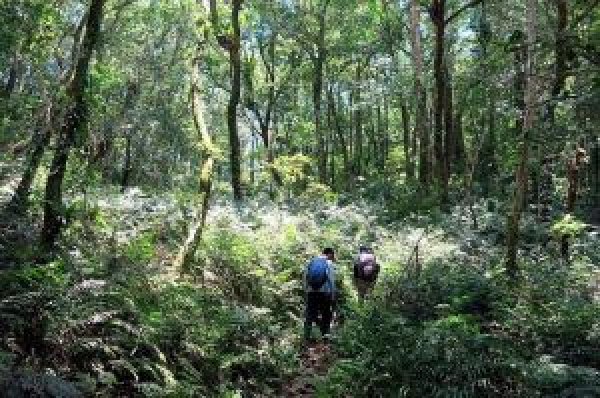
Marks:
<point>74,119</point>
<point>443,101</point>
<point>319,58</point>
<point>208,153</point>
<point>512,226</point>
<point>438,17</point>
<point>232,44</point>
<point>419,94</point>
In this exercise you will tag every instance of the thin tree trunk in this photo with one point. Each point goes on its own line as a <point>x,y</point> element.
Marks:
<point>235,156</point>
<point>560,50</point>
<point>358,127</point>
<point>331,145</point>
<point>13,75</point>
<point>460,142</point>
<point>492,142</point>
<point>208,153</point>
<point>595,164</point>
<point>574,164</point>
<point>378,140</point>
<point>317,87</point>
<point>386,136</point>
<point>420,96</point>
<point>270,112</point>
<point>450,139</point>
<point>512,229</point>
<point>126,164</point>
<point>410,171</point>
<point>338,128</point>
<point>438,12</point>
<point>75,118</point>
<point>38,144</point>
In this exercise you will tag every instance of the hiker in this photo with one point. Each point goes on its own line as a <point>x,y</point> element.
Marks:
<point>319,285</point>
<point>366,271</point>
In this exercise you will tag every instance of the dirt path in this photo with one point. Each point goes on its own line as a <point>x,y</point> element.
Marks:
<point>315,361</point>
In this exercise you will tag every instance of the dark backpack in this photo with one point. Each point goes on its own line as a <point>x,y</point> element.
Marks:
<point>366,267</point>
<point>316,276</point>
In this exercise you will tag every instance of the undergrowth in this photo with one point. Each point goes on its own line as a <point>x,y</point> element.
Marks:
<point>111,317</point>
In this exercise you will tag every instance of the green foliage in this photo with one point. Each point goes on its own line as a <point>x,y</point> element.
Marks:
<point>387,356</point>
<point>32,277</point>
<point>142,249</point>
<point>113,317</point>
<point>567,226</point>
<point>317,194</point>
<point>444,288</point>
<point>292,169</point>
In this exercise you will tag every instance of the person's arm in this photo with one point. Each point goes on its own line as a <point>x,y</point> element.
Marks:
<point>305,278</point>
<point>332,280</point>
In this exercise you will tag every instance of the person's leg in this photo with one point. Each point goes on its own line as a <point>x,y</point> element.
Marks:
<point>361,290</point>
<point>326,310</point>
<point>311,313</point>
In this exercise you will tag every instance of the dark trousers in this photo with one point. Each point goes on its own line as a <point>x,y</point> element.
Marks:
<point>319,309</point>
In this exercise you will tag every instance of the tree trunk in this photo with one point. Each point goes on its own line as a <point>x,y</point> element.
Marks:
<point>317,88</point>
<point>410,171</point>
<point>459,154</point>
<point>492,142</point>
<point>319,135</point>
<point>75,117</point>
<point>420,96</point>
<point>438,12</point>
<point>449,138</point>
<point>378,141</point>
<point>386,136</point>
<point>13,75</point>
<point>270,112</point>
<point>208,153</point>
<point>358,127</point>
<point>574,164</point>
<point>235,157</point>
<point>560,50</point>
<point>512,228</point>
<point>126,164</point>
<point>338,129</point>
<point>38,144</point>
<point>331,149</point>
<point>595,164</point>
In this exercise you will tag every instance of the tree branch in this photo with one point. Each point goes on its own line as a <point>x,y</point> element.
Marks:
<point>462,9</point>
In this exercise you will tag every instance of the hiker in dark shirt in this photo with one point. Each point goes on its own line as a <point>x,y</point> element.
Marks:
<point>366,271</point>
<point>319,285</point>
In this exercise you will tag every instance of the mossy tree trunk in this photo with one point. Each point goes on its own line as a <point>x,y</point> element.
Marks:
<point>75,118</point>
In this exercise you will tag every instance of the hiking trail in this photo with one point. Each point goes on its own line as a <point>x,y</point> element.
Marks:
<point>315,361</point>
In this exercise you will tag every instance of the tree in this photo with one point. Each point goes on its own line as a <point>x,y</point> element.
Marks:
<point>232,44</point>
<point>208,155</point>
<point>420,96</point>
<point>529,118</point>
<point>74,119</point>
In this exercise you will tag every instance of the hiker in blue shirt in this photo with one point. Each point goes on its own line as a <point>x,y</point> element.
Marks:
<point>319,285</point>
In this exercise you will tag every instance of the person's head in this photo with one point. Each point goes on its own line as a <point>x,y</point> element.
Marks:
<point>329,253</point>
<point>364,249</point>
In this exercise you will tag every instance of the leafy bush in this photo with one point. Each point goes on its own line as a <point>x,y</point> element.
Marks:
<point>567,226</point>
<point>443,288</point>
<point>141,249</point>
<point>382,354</point>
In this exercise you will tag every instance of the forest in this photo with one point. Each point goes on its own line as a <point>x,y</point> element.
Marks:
<point>171,171</point>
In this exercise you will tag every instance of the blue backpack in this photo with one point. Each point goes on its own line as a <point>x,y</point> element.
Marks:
<point>316,275</point>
